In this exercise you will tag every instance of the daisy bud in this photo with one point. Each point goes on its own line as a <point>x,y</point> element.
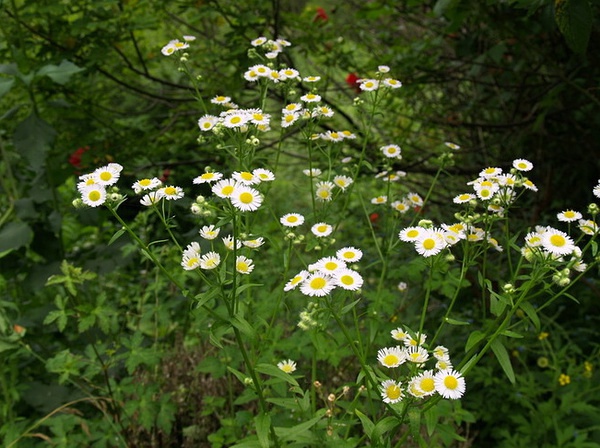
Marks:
<point>183,59</point>
<point>199,78</point>
<point>331,397</point>
<point>196,209</point>
<point>509,288</point>
<point>426,223</point>
<point>248,381</point>
<point>317,384</point>
<point>78,203</point>
<point>180,69</point>
<point>593,209</point>
<point>450,258</point>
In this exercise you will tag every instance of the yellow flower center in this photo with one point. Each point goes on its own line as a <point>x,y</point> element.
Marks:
<point>451,382</point>
<point>348,254</point>
<point>393,392</point>
<point>569,214</point>
<point>429,243</point>
<point>227,190</point>
<point>347,280</point>
<point>246,197</point>
<point>292,219</point>
<point>242,266</point>
<point>390,360</point>
<point>145,182</point>
<point>412,233</point>
<point>318,283</point>
<point>192,261</point>
<point>170,191</point>
<point>207,176</point>
<point>94,195</point>
<point>330,265</point>
<point>427,384</point>
<point>557,240</point>
<point>322,229</point>
<point>106,176</point>
<point>236,120</point>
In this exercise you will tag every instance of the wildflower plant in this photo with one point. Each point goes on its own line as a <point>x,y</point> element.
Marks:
<point>341,294</point>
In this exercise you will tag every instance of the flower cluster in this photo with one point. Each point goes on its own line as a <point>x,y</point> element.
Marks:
<point>272,47</point>
<point>176,45</point>
<point>372,84</point>
<point>234,118</point>
<point>420,382</point>
<point>327,273</point>
<point>93,186</point>
<point>493,189</point>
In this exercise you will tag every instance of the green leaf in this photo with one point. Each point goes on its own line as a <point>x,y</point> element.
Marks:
<point>474,338</point>
<point>60,74</point>
<point>288,434</point>
<point>116,236</point>
<point>5,85</point>
<point>244,326</point>
<point>368,425</point>
<point>456,322</point>
<point>384,425</point>
<point>503,358</point>
<point>262,423</point>
<point>431,420</point>
<point>32,138</point>
<point>15,235</point>
<point>574,19</point>
<point>274,371</point>
<point>349,307</point>
<point>414,420</point>
<point>532,315</point>
<point>512,334</point>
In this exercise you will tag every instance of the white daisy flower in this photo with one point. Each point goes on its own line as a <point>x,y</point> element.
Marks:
<point>391,151</point>
<point>391,357</point>
<point>246,199</point>
<point>228,242</point>
<point>569,216</point>
<point>292,219</point>
<point>349,254</point>
<point>522,165</point>
<point>391,391</point>
<point>208,177</point>
<point>244,265</point>
<point>318,285</point>
<point>556,242</point>
<point>348,279</point>
<point>288,366</point>
<point>321,229</point>
<point>171,192</point>
<point>449,384</point>
<point>263,175</point>
<point>207,122</point>
<point>254,243</point>
<point>210,260</point>
<point>93,195</point>
<point>146,184</point>
<point>296,280</point>
<point>209,232</point>
<point>152,198</point>
<point>107,175</point>
<point>224,188</point>
<point>368,85</point>
<point>342,182</point>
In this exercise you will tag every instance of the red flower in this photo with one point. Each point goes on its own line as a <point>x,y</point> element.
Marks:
<point>75,157</point>
<point>352,80</point>
<point>374,217</point>
<point>321,15</point>
<point>165,175</point>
